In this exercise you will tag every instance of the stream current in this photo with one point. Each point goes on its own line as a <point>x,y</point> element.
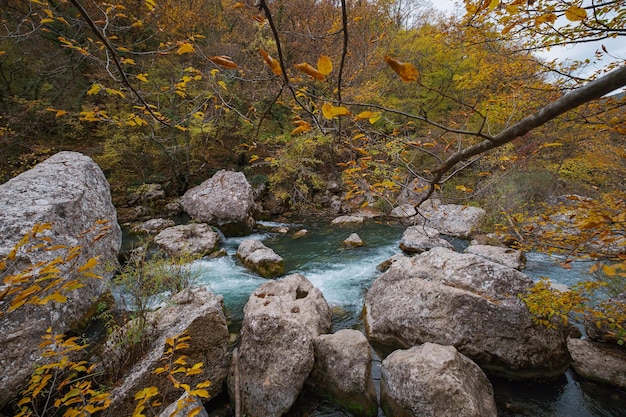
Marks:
<point>344,275</point>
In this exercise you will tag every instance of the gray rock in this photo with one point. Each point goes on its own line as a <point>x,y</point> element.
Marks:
<point>342,372</point>
<point>413,192</point>
<point>600,328</point>
<point>468,302</point>
<point>353,241</point>
<point>184,406</point>
<point>261,259</point>
<point>225,200</point>
<point>506,256</point>
<point>450,219</point>
<point>198,314</point>
<point>418,239</point>
<point>147,193</point>
<point>341,220</point>
<point>281,320</point>
<point>403,211</point>
<point>69,191</point>
<point>599,362</point>
<point>153,226</point>
<point>192,239</point>
<point>431,380</point>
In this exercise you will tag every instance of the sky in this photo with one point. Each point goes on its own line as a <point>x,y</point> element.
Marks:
<point>616,47</point>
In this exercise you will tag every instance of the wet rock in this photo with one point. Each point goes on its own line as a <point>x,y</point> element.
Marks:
<point>434,380</point>
<point>448,298</point>
<point>192,239</point>
<point>342,372</point>
<point>225,200</point>
<point>70,192</point>
<point>281,320</point>
<point>599,362</point>
<point>300,233</point>
<point>261,259</point>
<point>418,239</point>
<point>353,241</point>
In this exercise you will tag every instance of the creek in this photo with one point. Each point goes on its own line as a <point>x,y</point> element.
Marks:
<point>344,275</point>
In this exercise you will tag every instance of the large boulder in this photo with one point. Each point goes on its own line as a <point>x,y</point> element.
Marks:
<point>70,192</point>
<point>450,219</point>
<point>261,259</point>
<point>431,380</point>
<point>281,320</point>
<point>468,302</point>
<point>196,313</point>
<point>342,372</point>
<point>191,239</point>
<point>225,200</point>
<point>512,258</point>
<point>599,362</point>
<point>418,239</point>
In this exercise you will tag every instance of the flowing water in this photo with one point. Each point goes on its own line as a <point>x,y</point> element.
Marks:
<point>344,275</point>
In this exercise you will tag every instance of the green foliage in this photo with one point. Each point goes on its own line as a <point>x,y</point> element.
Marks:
<point>147,276</point>
<point>175,368</point>
<point>295,166</point>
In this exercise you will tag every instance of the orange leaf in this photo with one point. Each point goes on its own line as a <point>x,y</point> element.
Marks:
<point>303,127</point>
<point>223,60</point>
<point>271,62</point>
<point>309,70</point>
<point>406,71</point>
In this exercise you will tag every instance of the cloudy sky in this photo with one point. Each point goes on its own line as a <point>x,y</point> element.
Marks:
<point>615,47</point>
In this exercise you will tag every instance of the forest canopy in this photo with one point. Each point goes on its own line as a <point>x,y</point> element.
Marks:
<point>377,92</point>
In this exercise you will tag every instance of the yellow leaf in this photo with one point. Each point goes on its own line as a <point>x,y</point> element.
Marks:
<point>309,70</point>
<point>222,84</point>
<point>406,71</point>
<point>127,61</point>
<point>364,115</point>
<point>89,264</point>
<point>185,48</point>
<point>302,128</point>
<point>95,89</point>
<point>238,5</point>
<point>330,112</point>
<point>253,158</point>
<point>150,4</point>
<point>223,60</point>
<point>609,271</point>
<point>324,65</point>
<point>575,14</point>
<point>46,20</point>
<point>142,77</point>
<point>271,62</point>
<point>464,189</point>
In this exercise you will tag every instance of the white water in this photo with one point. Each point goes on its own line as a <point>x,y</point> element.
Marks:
<point>343,276</point>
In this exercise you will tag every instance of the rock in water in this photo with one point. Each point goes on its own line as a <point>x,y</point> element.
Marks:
<point>225,200</point>
<point>468,302</point>
<point>281,320</point>
<point>431,380</point>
